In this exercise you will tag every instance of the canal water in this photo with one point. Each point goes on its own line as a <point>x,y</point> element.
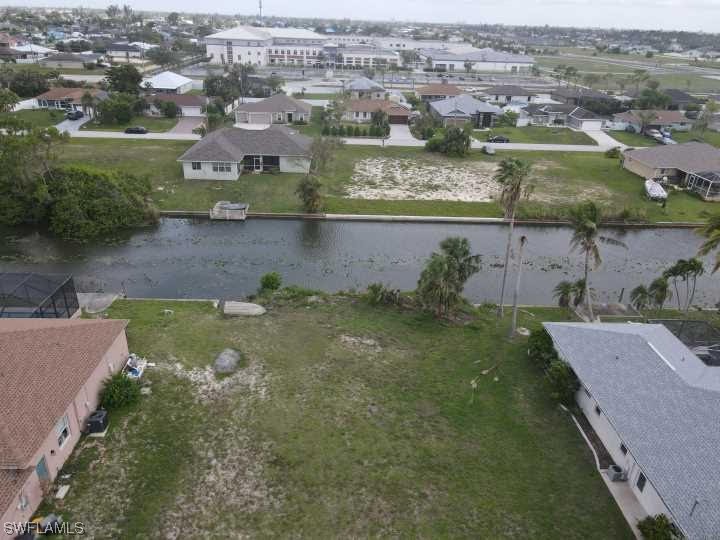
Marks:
<point>183,258</point>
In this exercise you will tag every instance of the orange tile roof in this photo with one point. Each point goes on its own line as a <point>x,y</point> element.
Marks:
<point>73,94</point>
<point>44,364</point>
<point>372,105</point>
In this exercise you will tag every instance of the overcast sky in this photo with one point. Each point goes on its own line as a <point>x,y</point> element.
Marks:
<point>646,14</point>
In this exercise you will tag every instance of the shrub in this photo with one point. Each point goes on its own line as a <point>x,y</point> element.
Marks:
<point>613,152</point>
<point>541,349</point>
<point>434,144</point>
<point>658,527</point>
<point>365,132</point>
<point>334,131</point>
<point>341,131</point>
<point>377,293</point>
<point>119,391</point>
<point>563,382</point>
<point>270,281</point>
<point>356,131</point>
<point>326,130</point>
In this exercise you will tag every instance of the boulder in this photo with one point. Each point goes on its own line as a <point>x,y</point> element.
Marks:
<point>243,309</point>
<point>227,361</point>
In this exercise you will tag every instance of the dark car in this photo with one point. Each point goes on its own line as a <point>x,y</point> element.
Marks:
<point>136,130</point>
<point>498,139</point>
<point>74,115</point>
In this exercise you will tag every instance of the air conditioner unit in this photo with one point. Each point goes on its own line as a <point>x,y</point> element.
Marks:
<point>97,422</point>
<point>616,473</point>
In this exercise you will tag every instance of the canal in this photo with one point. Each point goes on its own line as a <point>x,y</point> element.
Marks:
<point>183,258</point>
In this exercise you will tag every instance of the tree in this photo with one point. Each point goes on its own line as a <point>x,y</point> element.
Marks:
<point>162,56</point>
<point>687,271</point>
<point>8,100</point>
<point>658,527</point>
<point>468,66</point>
<point>563,291</point>
<point>125,78</point>
<point>173,18</point>
<point>646,118</point>
<point>88,102</point>
<point>512,174</point>
<point>112,11</point>
<point>585,220</point>
<point>513,326</point>
<point>308,190</point>
<point>442,280</point>
<point>275,82</point>
<point>119,108</point>
<point>455,142</point>
<point>703,122</point>
<point>640,297</point>
<point>563,382</point>
<point>652,99</point>
<point>659,291</point>
<point>639,76</point>
<point>711,232</point>
<point>322,152</point>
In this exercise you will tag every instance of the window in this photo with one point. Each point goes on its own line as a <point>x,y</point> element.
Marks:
<point>62,429</point>
<point>623,449</point>
<point>597,410</point>
<point>196,165</point>
<point>222,167</point>
<point>641,482</point>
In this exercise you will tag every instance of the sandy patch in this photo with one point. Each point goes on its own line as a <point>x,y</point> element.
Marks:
<point>208,386</point>
<point>361,344</point>
<point>413,179</point>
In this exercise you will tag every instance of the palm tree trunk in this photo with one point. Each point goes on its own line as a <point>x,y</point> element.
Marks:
<point>588,300</point>
<point>677,294</point>
<point>513,326</point>
<point>692,294</point>
<point>500,311</point>
<point>687,294</point>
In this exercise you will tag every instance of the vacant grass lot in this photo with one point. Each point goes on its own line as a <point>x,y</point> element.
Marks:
<point>152,123</point>
<point>37,117</point>
<point>343,421</point>
<point>538,135</point>
<point>562,178</point>
<point>710,137</point>
<point>636,140</point>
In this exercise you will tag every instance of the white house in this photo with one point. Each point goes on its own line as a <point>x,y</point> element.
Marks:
<point>187,104</point>
<point>31,53</point>
<point>226,153</point>
<point>584,120</point>
<point>364,56</point>
<point>265,46</point>
<point>364,88</point>
<point>653,403</point>
<point>508,93</point>
<point>168,82</point>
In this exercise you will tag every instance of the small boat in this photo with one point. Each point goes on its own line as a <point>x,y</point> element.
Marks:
<point>655,191</point>
<point>229,211</point>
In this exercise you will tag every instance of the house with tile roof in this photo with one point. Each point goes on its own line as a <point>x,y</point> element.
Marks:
<point>69,98</point>
<point>437,91</point>
<point>52,371</point>
<point>226,153</point>
<point>651,119</point>
<point>361,111</point>
<point>652,401</point>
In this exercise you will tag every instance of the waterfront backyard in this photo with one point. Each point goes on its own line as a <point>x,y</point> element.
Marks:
<point>401,181</point>
<point>343,420</point>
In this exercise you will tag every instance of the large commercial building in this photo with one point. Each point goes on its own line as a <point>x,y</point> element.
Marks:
<point>266,46</point>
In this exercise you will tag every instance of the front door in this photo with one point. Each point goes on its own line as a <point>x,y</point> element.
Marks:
<point>257,163</point>
<point>42,470</point>
<point>289,118</point>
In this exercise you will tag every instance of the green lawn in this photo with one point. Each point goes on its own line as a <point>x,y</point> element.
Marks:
<point>42,69</point>
<point>342,421</point>
<point>152,123</point>
<point>37,117</point>
<point>632,139</point>
<point>561,178</point>
<point>710,137</point>
<point>538,135</point>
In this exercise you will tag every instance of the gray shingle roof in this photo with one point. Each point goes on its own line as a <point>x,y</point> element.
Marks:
<point>508,90</point>
<point>648,384</point>
<point>363,84</point>
<point>275,104</point>
<point>463,105</point>
<point>231,144</point>
<point>688,157</point>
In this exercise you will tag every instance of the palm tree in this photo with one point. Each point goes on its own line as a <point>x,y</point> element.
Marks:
<point>585,220</point>
<point>563,291</point>
<point>513,326</point>
<point>640,297</point>
<point>639,77</point>
<point>646,118</point>
<point>659,291</point>
<point>692,269</point>
<point>88,102</point>
<point>711,232</point>
<point>512,175</point>
<point>457,250</point>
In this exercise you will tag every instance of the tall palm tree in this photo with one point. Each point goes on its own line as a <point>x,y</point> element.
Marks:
<point>693,268</point>
<point>711,232</point>
<point>640,297</point>
<point>673,273</point>
<point>457,250</point>
<point>563,291</point>
<point>513,326</point>
<point>88,102</point>
<point>585,220</point>
<point>512,174</point>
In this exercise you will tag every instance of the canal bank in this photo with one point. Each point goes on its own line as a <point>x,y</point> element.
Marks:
<point>199,258</point>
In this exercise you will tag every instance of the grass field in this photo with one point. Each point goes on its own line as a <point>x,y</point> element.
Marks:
<point>42,69</point>
<point>37,117</point>
<point>635,140</point>
<point>152,123</point>
<point>562,179</point>
<point>538,135</point>
<point>315,96</point>
<point>342,421</point>
<point>710,137</point>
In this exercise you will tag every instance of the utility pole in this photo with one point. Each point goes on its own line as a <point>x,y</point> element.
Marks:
<point>260,5</point>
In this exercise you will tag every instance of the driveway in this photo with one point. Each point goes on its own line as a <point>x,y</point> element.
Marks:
<point>72,125</point>
<point>186,124</point>
<point>605,140</point>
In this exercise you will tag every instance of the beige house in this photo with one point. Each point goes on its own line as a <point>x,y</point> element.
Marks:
<point>364,88</point>
<point>674,161</point>
<point>436,92</point>
<point>277,109</point>
<point>361,110</point>
<point>52,372</point>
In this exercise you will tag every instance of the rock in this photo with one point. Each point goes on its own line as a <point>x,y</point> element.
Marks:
<point>314,299</point>
<point>227,361</point>
<point>243,309</point>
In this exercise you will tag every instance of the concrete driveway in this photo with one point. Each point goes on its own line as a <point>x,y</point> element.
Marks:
<point>186,124</point>
<point>72,125</point>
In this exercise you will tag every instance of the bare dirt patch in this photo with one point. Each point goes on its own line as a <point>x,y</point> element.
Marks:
<point>416,179</point>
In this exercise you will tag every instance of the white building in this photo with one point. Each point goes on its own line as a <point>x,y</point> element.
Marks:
<point>364,56</point>
<point>265,46</point>
<point>653,403</point>
<point>483,60</point>
<point>168,82</point>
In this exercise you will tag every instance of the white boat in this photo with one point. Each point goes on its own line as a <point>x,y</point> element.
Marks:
<point>655,191</point>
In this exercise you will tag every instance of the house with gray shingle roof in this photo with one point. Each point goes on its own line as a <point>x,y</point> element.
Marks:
<point>458,110</point>
<point>228,152</point>
<point>364,88</point>
<point>654,404</point>
<point>277,109</point>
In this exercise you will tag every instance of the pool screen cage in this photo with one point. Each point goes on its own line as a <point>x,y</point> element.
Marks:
<point>45,296</point>
<point>700,337</point>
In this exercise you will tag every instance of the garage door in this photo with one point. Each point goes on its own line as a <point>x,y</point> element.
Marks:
<point>259,118</point>
<point>398,119</point>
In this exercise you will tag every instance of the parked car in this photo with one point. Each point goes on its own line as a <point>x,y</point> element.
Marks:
<point>136,130</point>
<point>74,115</point>
<point>654,134</point>
<point>499,139</point>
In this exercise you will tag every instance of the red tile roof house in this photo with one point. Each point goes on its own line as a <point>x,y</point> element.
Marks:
<point>52,371</point>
